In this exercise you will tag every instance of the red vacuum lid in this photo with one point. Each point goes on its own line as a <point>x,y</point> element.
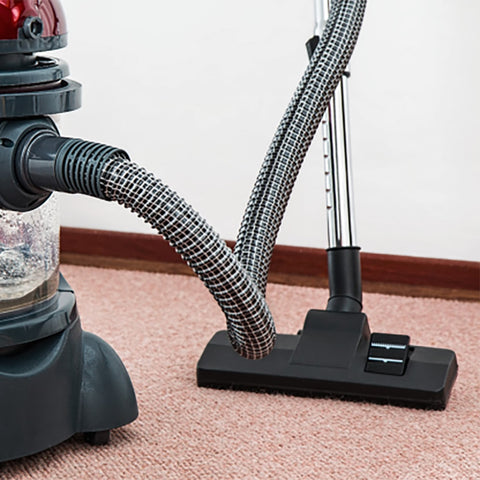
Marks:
<point>27,25</point>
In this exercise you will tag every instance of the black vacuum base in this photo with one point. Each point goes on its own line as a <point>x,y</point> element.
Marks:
<point>336,356</point>
<point>57,380</point>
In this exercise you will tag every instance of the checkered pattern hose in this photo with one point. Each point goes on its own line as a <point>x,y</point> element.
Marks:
<point>294,135</point>
<point>249,321</point>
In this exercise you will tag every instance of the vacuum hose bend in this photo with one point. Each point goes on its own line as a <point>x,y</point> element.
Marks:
<point>107,173</point>
<point>44,162</point>
<point>249,322</point>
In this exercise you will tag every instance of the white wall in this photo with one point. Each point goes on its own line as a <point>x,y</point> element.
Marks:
<point>195,89</point>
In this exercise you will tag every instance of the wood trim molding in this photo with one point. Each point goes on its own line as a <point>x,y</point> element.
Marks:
<point>290,265</point>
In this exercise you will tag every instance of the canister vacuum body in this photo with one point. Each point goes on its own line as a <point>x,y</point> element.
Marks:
<point>55,379</point>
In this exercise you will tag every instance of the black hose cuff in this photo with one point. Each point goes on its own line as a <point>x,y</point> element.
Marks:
<point>78,166</point>
<point>35,160</point>
<point>67,165</point>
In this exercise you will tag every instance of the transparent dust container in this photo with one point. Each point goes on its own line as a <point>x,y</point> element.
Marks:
<point>29,256</point>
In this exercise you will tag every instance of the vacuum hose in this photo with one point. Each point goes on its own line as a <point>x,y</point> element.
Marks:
<point>46,162</point>
<point>107,173</point>
<point>293,137</point>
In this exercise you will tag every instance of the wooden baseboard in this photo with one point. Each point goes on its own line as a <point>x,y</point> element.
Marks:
<point>392,274</point>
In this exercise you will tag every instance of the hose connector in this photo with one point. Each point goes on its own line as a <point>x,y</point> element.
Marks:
<point>35,161</point>
<point>15,191</point>
<point>70,165</point>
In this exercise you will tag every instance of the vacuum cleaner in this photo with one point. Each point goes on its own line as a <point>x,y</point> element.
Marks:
<point>57,380</point>
<point>335,354</point>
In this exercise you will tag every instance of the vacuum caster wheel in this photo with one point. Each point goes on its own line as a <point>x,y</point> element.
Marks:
<point>97,438</point>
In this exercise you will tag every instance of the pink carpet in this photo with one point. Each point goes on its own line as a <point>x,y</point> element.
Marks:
<point>159,325</point>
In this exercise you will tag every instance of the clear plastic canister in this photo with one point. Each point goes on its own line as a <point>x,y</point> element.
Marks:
<point>29,256</point>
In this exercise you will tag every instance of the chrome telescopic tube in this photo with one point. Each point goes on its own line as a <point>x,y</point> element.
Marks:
<point>321,12</point>
<point>337,156</point>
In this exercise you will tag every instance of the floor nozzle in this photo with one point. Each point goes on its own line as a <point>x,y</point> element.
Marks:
<point>336,356</point>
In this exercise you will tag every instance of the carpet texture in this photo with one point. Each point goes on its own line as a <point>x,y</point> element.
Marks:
<point>159,325</point>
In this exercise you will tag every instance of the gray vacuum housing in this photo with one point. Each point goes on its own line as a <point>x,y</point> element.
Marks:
<point>57,380</point>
